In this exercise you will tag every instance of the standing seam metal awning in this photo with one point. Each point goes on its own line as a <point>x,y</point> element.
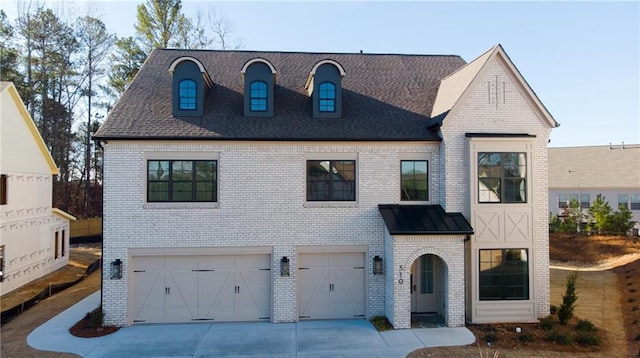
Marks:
<point>423,220</point>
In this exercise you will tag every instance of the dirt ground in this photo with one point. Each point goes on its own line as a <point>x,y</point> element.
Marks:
<point>13,334</point>
<point>601,299</point>
<point>80,257</point>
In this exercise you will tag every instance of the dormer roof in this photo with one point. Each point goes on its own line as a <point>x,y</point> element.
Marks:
<point>385,97</point>
<point>258,60</point>
<point>205,75</point>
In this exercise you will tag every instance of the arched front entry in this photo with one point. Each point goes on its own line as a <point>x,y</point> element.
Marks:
<point>426,278</point>
<point>438,265</point>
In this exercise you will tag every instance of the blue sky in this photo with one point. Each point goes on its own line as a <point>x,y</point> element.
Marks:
<point>581,58</point>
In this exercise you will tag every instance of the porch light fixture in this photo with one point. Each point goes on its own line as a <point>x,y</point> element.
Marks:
<point>377,265</point>
<point>116,269</point>
<point>284,266</point>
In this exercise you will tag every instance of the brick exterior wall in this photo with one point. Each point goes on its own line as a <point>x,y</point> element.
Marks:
<point>406,250</point>
<point>261,203</point>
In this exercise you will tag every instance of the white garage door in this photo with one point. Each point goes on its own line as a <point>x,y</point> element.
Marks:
<point>331,286</point>
<point>201,288</point>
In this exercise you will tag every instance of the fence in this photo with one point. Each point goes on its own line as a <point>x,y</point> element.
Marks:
<point>86,228</point>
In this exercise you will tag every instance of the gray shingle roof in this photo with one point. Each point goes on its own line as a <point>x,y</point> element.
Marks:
<point>385,97</point>
<point>595,167</point>
<point>423,220</point>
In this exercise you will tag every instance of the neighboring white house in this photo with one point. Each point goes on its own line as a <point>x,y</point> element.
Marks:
<point>271,186</point>
<point>34,237</point>
<point>581,173</point>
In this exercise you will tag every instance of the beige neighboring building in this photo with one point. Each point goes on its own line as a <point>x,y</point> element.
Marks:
<point>582,173</point>
<point>34,236</point>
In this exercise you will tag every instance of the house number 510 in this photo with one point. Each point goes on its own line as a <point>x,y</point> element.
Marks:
<point>400,280</point>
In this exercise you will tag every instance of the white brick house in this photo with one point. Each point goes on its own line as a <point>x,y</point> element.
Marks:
<point>267,186</point>
<point>34,236</point>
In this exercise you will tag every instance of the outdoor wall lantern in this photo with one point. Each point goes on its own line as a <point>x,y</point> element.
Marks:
<point>116,269</point>
<point>377,265</point>
<point>284,266</point>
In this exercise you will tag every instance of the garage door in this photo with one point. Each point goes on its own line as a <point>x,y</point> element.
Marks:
<point>331,286</point>
<point>201,288</point>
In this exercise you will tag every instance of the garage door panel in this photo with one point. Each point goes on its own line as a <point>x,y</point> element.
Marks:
<point>347,260</point>
<point>331,286</point>
<point>212,287</point>
<point>148,296</point>
<point>253,301</point>
<point>181,301</point>
<point>221,301</point>
<point>313,292</point>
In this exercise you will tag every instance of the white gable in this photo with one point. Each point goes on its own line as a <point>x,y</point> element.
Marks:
<point>21,146</point>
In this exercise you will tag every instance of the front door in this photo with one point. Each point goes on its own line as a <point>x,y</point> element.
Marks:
<point>424,288</point>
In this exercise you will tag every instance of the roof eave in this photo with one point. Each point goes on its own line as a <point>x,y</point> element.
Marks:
<point>268,139</point>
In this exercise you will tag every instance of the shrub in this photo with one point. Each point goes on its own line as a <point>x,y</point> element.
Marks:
<point>547,323</point>
<point>553,309</point>
<point>94,318</point>
<point>568,300</point>
<point>381,323</point>
<point>590,338</point>
<point>525,337</point>
<point>490,337</point>
<point>584,325</point>
<point>558,337</point>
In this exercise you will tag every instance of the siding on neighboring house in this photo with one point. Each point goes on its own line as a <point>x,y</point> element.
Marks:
<point>29,227</point>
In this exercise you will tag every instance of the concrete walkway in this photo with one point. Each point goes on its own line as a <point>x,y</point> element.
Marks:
<point>337,338</point>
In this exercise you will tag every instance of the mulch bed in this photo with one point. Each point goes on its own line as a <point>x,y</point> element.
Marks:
<point>91,326</point>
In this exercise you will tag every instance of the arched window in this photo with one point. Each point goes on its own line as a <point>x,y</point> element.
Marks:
<point>258,96</point>
<point>327,97</point>
<point>188,95</point>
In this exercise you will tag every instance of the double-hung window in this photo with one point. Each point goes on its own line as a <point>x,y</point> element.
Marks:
<point>182,180</point>
<point>187,95</point>
<point>414,180</point>
<point>331,180</point>
<point>502,177</point>
<point>258,96</point>
<point>504,274</point>
<point>327,97</point>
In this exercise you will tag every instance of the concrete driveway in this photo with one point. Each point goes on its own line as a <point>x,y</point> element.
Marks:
<point>336,338</point>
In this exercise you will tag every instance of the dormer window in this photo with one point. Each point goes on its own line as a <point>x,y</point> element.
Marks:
<point>324,86</point>
<point>259,96</point>
<point>190,80</point>
<point>188,95</point>
<point>259,78</point>
<point>327,97</point>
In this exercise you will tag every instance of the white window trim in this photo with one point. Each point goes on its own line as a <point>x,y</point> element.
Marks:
<point>330,156</point>
<point>430,178</point>
<point>179,156</point>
